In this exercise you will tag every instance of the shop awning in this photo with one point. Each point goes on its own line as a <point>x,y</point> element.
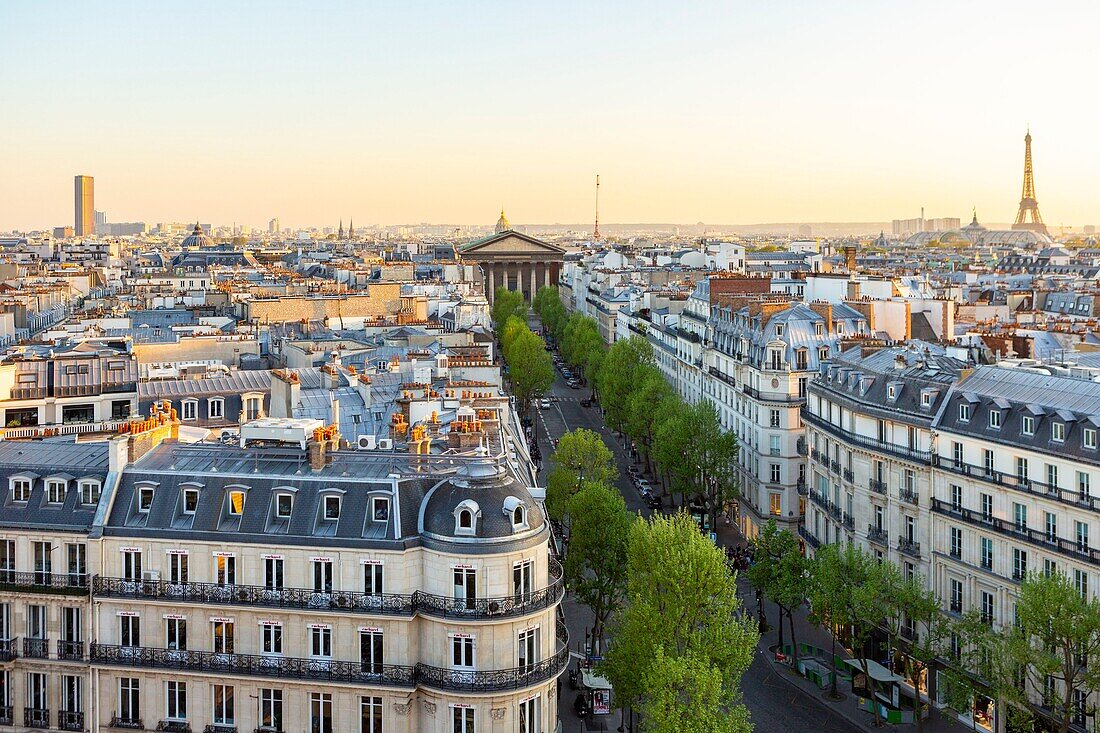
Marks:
<point>877,672</point>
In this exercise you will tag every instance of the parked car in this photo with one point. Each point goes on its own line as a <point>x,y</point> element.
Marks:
<point>644,487</point>
<point>574,384</point>
<point>653,502</point>
<point>544,403</point>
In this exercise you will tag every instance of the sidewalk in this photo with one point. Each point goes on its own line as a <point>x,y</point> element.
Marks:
<point>809,633</point>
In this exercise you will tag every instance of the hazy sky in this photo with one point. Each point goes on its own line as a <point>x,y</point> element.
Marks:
<point>406,111</point>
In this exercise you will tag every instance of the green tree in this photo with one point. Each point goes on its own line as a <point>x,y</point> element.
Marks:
<point>830,605</point>
<point>530,369</point>
<point>508,303</point>
<point>857,579</point>
<point>582,346</point>
<point>931,631</point>
<point>547,303</point>
<point>672,446</point>
<point>595,565</point>
<point>1057,631</point>
<point>581,457</point>
<point>712,455</point>
<point>680,647</point>
<point>782,573</point>
<point>642,417</point>
<point>686,694</point>
<point>617,376</point>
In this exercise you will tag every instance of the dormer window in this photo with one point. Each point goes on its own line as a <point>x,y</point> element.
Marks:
<point>778,330</point>
<point>332,508</point>
<point>819,329</point>
<point>891,392</point>
<point>1027,426</point>
<point>284,505</point>
<point>964,412</point>
<point>89,492</point>
<point>55,491</point>
<point>1058,432</point>
<point>236,503</point>
<point>516,511</point>
<point>926,398</point>
<point>995,419</point>
<point>466,516</point>
<point>823,353</point>
<point>190,500</point>
<point>380,509</point>
<point>145,499</point>
<point>20,489</point>
<point>190,410</point>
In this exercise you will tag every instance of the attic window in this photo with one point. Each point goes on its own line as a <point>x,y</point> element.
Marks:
<point>465,519</point>
<point>89,492</point>
<point>995,418</point>
<point>55,491</point>
<point>819,329</point>
<point>190,500</point>
<point>1027,426</point>
<point>778,329</point>
<point>925,399</point>
<point>332,508</point>
<point>519,518</point>
<point>380,509</point>
<point>1058,432</point>
<point>236,503</point>
<point>891,392</point>
<point>823,353</point>
<point>284,505</point>
<point>466,514</point>
<point>20,489</point>
<point>964,412</point>
<point>145,499</point>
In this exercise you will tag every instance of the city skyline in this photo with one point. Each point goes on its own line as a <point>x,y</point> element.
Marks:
<point>434,113</point>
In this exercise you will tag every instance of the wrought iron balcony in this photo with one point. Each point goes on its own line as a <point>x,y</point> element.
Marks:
<point>801,447</point>
<point>6,717</point>
<point>834,466</point>
<point>9,649</point>
<point>36,648</point>
<point>130,723</point>
<point>389,675</point>
<point>174,726</point>
<point>1071,497</point>
<point>815,454</point>
<point>801,486</point>
<point>879,487</point>
<point>220,728</point>
<point>878,535</point>
<point>70,720</point>
<point>36,717</point>
<point>870,444</point>
<point>1039,538</point>
<point>809,538</point>
<point>848,475</point>
<point>71,650</point>
<point>392,604</point>
<point>909,495</point>
<point>330,670</point>
<point>42,582</point>
<point>908,547</point>
<point>849,522</point>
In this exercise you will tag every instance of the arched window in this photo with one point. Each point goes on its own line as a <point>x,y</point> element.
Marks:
<point>466,519</point>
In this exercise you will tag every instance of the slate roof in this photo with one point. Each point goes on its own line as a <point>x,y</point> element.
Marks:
<point>40,460</point>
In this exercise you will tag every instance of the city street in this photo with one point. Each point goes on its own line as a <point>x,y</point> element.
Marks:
<point>775,706</point>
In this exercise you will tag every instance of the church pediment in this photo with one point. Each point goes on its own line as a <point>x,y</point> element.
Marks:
<point>506,243</point>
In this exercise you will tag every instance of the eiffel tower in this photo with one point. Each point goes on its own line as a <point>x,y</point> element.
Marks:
<point>1028,204</point>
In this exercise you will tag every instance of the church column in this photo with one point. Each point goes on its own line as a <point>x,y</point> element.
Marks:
<point>490,281</point>
<point>546,273</point>
<point>529,274</point>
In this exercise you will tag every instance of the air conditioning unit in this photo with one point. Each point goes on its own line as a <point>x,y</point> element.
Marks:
<point>385,444</point>
<point>150,576</point>
<point>366,442</point>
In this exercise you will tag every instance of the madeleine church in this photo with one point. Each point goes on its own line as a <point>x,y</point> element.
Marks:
<point>509,259</point>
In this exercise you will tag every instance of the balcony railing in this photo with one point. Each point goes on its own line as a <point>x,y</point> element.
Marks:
<point>331,670</point>
<point>73,428</point>
<point>909,495</point>
<point>801,446</point>
<point>70,720</point>
<point>848,475</point>
<point>36,717</point>
<point>36,648</point>
<point>801,486</point>
<point>174,726</point>
<point>9,649</point>
<point>849,522</point>
<point>834,466</point>
<point>6,715</point>
<point>782,398</point>
<point>878,535</point>
<point>879,487</point>
<point>71,650</point>
<point>220,728</point>
<point>1067,496</point>
<point>1039,538</point>
<point>43,582</point>
<point>427,604</point>
<point>129,723</point>
<point>870,444</point>
<point>809,538</point>
<point>908,547</point>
